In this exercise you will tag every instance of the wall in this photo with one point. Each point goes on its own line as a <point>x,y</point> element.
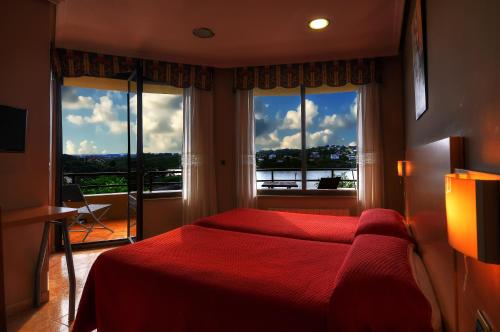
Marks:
<point>24,178</point>
<point>161,215</point>
<point>225,138</point>
<point>463,100</point>
<point>391,103</point>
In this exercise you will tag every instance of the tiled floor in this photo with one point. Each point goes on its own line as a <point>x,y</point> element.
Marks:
<point>53,315</point>
<point>119,227</point>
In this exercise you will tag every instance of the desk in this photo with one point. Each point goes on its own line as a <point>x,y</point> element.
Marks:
<point>46,215</point>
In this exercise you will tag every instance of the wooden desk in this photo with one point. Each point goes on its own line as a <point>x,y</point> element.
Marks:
<point>46,215</point>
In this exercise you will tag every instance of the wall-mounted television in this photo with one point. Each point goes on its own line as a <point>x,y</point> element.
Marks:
<point>12,129</point>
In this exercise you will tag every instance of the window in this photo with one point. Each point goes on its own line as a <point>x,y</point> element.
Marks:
<point>304,137</point>
<point>94,135</point>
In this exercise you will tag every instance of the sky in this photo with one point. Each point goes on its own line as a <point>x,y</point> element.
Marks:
<point>95,121</point>
<point>330,119</point>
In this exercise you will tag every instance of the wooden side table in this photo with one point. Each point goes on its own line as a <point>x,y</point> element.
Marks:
<point>47,215</point>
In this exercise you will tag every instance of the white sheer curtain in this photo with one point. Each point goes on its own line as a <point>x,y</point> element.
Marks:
<point>246,187</point>
<point>370,157</point>
<point>198,188</point>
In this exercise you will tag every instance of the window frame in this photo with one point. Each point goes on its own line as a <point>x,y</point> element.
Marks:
<point>109,84</point>
<point>339,192</point>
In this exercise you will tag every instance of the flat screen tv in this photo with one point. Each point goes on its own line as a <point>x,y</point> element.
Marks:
<point>12,129</point>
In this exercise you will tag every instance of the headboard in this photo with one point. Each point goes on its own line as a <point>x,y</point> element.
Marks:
<point>425,211</point>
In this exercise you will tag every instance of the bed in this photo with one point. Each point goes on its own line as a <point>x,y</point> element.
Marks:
<point>308,226</point>
<point>199,278</point>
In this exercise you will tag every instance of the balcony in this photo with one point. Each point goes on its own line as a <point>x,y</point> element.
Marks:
<point>111,188</point>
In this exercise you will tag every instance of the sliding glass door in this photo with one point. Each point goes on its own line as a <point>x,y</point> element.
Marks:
<point>135,157</point>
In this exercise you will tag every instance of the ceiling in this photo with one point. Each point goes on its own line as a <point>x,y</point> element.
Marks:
<point>257,32</point>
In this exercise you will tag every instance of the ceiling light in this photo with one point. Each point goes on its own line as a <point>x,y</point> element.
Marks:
<point>319,23</point>
<point>203,33</point>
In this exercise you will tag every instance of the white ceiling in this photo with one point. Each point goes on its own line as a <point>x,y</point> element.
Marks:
<point>254,32</point>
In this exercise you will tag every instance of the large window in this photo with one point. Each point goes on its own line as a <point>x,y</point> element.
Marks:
<point>305,139</point>
<point>94,123</point>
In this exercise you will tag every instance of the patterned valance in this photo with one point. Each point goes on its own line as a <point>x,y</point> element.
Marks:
<point>315,74</point>
<point>70,63</point>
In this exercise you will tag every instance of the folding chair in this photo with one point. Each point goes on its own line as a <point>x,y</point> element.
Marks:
<point>72,193</point>
<point>329,183</point>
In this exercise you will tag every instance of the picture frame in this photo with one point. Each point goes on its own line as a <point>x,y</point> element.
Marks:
<point>418,52</point>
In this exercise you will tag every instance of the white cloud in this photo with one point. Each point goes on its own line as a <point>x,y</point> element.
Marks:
<point>75,119</point>
<point>291,142</point>
<point>353,143</point>
<point>334,121</point>
<point>71,102</point>
<point>319,138</point>
<point>268,141</point>
<point>103,112</point>
<point>84,147</point>
<point>70,147</point>
<point>292,117</point>
<point>162,123</point>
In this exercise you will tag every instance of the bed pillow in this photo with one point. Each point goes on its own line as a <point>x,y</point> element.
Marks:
<point>382,222</point>
<point>375,289</point>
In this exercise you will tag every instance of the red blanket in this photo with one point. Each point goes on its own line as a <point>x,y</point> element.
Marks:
<point>376,291</point>
<point>201,279</point>
<point>293,225</point>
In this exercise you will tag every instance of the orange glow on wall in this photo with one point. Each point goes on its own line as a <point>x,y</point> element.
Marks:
<point>402,168</point>
<point>473,214</point>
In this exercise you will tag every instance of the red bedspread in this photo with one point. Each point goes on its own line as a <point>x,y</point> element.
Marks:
<point>293,225</point>
<point>201,279</point>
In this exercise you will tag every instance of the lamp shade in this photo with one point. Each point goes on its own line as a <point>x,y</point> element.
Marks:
<point>473,214</point>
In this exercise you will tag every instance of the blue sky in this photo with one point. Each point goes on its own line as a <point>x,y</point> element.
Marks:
<point>330,119</point>
<point>94,121</point>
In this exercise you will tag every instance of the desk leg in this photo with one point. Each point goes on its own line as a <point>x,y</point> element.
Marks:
<point>71,269</point>
<point>39,263</point>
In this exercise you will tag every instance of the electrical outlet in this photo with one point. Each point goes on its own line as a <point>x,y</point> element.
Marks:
<point>482,324</point>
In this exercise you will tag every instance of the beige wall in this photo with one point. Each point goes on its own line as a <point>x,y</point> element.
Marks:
<point>391,103</point>
<point>161,215</point>
<point>463,52</point>
<point>224,138</point>
<point>24,178</point>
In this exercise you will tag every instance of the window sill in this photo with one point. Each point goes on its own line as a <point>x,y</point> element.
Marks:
<point>312,192</point>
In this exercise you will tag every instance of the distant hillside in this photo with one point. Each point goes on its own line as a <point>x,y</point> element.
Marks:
<point>118,162</point>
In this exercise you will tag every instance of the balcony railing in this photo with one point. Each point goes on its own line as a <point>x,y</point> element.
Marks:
<point>348,175</point>
<point>115,182</point>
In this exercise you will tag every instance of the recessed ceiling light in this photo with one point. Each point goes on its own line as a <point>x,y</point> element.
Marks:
<point>203,33</point>
<point>319,23</point>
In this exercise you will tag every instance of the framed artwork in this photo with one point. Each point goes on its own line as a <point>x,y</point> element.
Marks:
<point>418,55</point>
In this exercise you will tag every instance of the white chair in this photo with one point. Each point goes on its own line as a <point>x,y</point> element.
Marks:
<point>72,193</point>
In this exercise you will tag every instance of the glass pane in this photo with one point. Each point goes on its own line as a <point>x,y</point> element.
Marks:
<point>163,134</point>
<point>94,135</point>
<point>331,134</point>
<point>278,139</point>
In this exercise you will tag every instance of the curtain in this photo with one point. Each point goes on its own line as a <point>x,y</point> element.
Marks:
<point>246,187</point>
<point>73,63</point>
<point>370,158</point>
<point>199,192</point>
<point>313,74</point>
